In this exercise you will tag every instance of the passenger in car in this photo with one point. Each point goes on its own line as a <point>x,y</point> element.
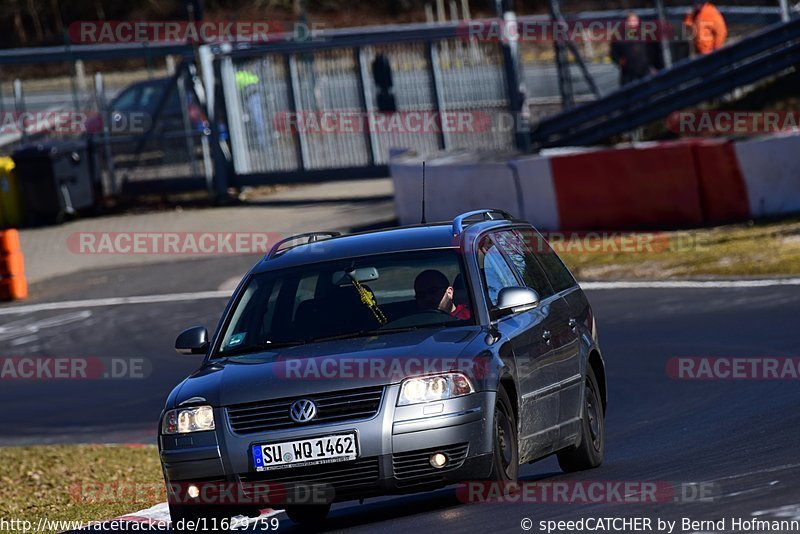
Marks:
<point>432,291</point>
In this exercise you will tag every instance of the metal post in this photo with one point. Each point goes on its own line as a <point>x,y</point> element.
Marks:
<point>110,185</point>
<point>233,112</point>
<point>785,15</point>
<point>72,81</point>
<point>200,94</point>
<point>562,64</point>
<point>429,13</point>
<point>187,126</point>
<point>366,98</point>
<point>19,107</point>
<point>666,51</point>
<point>440,11</point>
<point>224,171</point>
<point>465,10</point>
<point>515,85</point>
<point>436,84</point>
<point>453,10</point>
<point>294,105</point>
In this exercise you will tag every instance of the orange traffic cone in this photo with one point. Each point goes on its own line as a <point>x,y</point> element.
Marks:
<point>13,285</point>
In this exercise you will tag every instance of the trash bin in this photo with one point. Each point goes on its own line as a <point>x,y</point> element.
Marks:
<point>55,179</point>
<point>10,199</point>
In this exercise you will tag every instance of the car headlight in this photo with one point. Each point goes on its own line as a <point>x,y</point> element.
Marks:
<point>434,388</point>
<point>183,420</point>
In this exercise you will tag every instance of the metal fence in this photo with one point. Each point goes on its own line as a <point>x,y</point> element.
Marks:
<point>314,106</point>
<point>315,109</point>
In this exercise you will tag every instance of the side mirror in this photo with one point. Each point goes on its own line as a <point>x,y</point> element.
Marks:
<point>192,341</point>
<point>516,299</point>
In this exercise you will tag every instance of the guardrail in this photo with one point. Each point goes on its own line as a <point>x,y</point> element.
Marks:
<point>374,34</point>
<point>766,52</point>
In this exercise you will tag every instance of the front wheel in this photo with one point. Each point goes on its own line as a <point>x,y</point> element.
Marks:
<point>588,454</point>
<point>505,457</point>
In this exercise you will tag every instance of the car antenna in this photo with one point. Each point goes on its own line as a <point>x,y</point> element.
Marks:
<point>423,193</point>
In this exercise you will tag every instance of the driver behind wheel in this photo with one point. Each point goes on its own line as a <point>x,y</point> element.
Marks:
<point>432,291</point>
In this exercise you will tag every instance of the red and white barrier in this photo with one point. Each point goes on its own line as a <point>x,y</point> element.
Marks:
<point>454,183</point>
<point>685,183</point>
<point>770,168</point>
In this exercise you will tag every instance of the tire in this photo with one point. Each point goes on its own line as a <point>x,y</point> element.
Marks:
<point>589,452</point>
<point>505,452</point>
<point>312,514</point>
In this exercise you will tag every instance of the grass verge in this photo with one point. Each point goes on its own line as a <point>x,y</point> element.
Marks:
<point>740,250</point>
<point>78,482</point>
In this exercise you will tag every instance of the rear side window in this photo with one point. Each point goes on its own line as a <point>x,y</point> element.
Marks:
<point>513,243</point>
<point>495,271</point>
<point>557,272</point>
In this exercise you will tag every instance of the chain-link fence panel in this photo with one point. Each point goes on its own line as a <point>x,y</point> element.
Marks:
<point>413,92</point>
<point>260,105</point>
<point>474,94</point>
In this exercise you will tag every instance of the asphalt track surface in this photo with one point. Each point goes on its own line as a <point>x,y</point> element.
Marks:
<point>738,437</point>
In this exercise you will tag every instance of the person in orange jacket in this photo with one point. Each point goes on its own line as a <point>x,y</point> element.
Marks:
<point>706,25</point>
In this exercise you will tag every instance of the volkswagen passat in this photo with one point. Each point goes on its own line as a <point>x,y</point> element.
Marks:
<point>385,362</point>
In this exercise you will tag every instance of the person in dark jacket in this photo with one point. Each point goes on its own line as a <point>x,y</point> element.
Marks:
<point>636,54</point>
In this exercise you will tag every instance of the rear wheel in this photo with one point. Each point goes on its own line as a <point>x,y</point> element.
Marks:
<point>505,458</point>
<point>312,514</point>
<point>588,454</point>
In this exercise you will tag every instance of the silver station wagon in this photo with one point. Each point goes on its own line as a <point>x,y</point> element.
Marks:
<point>384,362</point>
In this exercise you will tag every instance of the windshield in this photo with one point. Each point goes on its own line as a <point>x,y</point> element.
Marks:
<point>365,296</point>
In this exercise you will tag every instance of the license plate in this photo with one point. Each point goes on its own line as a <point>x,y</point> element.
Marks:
<point>324,450</point>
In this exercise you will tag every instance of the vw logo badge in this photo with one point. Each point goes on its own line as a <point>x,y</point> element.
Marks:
<point>302,411</point>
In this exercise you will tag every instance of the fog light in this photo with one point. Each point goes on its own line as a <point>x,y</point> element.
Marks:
<point>438,460</point>
<point>193,491</point>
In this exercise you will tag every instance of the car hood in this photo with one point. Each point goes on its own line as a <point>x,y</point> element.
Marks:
<point>328,366</point>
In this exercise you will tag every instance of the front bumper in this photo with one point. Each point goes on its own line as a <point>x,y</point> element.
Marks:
<point>394,450</point>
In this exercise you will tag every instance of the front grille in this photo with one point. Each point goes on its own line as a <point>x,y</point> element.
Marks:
<point>339,406</point>
<point>414,467</point>
<point>344,478</point>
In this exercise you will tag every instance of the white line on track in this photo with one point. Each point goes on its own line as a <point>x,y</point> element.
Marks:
<point>691,284</point>
<point>205,295</point>
<point>115,301</point>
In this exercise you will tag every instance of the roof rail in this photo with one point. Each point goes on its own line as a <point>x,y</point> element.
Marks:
<point>311,237</point>
<point>490,215</point>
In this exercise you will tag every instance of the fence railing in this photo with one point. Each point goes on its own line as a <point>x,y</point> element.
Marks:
<point>322,107</point>
<point>766,52</point>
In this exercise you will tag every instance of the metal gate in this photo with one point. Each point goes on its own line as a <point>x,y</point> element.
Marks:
<point>316,109</point>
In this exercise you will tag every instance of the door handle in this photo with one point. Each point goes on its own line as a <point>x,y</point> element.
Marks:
<point>546,336</point>
<point>573,323</point>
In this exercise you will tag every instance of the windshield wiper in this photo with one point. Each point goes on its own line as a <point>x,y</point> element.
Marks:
<point>259,347</point>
